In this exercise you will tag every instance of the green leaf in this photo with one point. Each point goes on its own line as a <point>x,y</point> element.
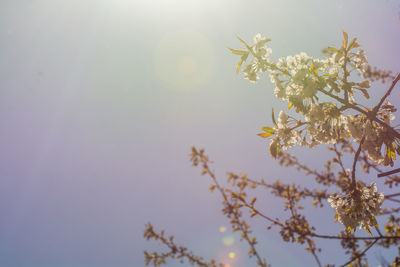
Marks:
<point>345,39</point>
<point>332,49</point>
<point>312,68</point>
<point>274,148</point>
<point>391,152</point>
<point>338,55</point>
<point>247,46</point>
<point>352,43</point>
<point>242,59</point>
<point>368,231</point>
<point>273,118</point>
<point>238,52</point>
<point>268,129</point>
<point>243,42</point>
<point>265,135</point>
<point>239,65</point>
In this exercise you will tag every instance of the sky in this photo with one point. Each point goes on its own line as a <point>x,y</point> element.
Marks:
<point>101,101</point>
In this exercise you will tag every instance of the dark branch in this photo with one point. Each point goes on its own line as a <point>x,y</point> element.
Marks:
<point>376,108</point>
<point>388,173</point>
<point>353,172</point>
<point>361,254</point>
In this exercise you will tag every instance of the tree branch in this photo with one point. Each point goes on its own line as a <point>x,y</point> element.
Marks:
<point>392,195</point>
<point>353,172</point>
<point>388,173</point>
<point>360,255</point>
<point>396,79</point>
<point>370,115</point>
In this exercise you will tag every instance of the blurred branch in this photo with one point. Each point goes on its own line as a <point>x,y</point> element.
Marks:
<point>361,254</point>
<point>388,173</point>
<point>396,79</point>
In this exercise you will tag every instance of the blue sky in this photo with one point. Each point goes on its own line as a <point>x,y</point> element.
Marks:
<point>100,102</point>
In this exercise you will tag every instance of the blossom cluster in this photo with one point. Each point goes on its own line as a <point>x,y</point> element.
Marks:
<point>375,135</point>
<point>359,208</point>
<point>260,60</point>
<point>293,79</point>
<point>300,79</point>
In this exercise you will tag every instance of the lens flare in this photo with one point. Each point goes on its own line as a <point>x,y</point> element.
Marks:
<point>184,59</point>
<point>228,241</point>
<point>222,229</point>
<point>187,65</point>
<point>230,257</point>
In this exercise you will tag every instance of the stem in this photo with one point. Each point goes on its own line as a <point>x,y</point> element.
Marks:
<point>370,115</point>
<point>396,79</point>
<point>339,156</point>
<point>394,200</point>
<point>347,104</point>
<point>314,254</point>
<point>361,254</point>
<point>243,229</point>
<point>389,172</point>
<point>355,237</point>
<point>392,195</point>
<point>353,172</point>
<point>345,74</point>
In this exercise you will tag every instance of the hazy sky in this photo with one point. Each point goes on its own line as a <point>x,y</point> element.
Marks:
<point>101,100</point>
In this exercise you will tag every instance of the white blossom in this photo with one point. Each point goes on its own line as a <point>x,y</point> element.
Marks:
<point>355,127</point>
<point>358,208</point>
<point>250,73</point>
<point>299,78</point>
<point>386,112</point>
<point>360,60</point>
<point>315,115</point>
<point>287,136</point>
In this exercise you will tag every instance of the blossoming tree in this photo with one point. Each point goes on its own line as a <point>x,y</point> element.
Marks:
<point>324,95</point>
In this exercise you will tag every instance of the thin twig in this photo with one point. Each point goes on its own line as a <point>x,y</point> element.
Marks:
<point>392,195</point>
<point>294,216</point>
<point>388,173</point>
<point>360,255</point>
<point>353,172</point>
<point>376,108</point>
<point>206,170</point>
<point>314,254</point>
<point>368,114</point>
<point>354,237</point>
<point>339,156</point>
<point>394,200</point>
<point>259,213</point>
<point>379,232</point>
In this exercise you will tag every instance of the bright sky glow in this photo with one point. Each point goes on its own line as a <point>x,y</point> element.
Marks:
<point>101,100</point>
<point>184,59</point>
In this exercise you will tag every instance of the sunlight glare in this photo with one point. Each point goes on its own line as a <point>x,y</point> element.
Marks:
<point>184,59</point>
<point>228,241</point>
